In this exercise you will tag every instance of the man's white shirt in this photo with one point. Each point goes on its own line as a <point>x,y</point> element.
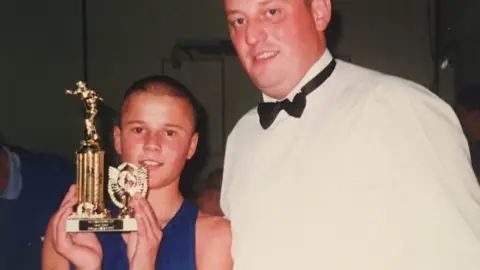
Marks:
<point>375,175</point>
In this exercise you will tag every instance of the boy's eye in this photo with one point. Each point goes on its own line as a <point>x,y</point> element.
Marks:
<point>137,130</point>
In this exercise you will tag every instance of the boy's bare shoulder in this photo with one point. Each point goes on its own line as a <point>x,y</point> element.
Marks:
<point>213,230</point>
<point>213,242</point>
<point>207,223</point>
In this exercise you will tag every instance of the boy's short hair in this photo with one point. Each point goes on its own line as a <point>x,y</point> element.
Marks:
<point>172,86</point>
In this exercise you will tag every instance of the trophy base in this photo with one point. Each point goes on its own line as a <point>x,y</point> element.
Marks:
<point>101,225</point>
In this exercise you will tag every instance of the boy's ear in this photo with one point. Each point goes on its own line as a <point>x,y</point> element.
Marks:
<point>193,145</point>
<point>117,139</point>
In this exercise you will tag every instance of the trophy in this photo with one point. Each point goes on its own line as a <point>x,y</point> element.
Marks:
<point>90,213</point>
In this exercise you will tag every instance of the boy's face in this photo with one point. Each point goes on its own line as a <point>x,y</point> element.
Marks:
<point>156,132</point>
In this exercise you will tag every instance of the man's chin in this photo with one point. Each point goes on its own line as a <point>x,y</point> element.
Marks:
<point>268,83</point>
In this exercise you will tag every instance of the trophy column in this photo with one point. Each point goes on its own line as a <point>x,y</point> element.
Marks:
<point>90,177</point>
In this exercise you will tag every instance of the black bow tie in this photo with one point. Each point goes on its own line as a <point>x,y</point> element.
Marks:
<point>268,111</point>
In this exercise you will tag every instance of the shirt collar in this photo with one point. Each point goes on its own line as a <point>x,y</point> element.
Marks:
<point>318,66</point>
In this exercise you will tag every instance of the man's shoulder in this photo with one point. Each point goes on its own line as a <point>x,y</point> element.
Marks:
<point>375,81</point>
<point>43,158</point>
<point>382,98</point>
<point>397,93</point>
<point>57,172</point>
<point>386,89</point>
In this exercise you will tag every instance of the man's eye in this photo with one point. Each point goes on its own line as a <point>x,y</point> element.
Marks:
<point>238,22</point>
<point>272,12</point>
<point>170,133</point>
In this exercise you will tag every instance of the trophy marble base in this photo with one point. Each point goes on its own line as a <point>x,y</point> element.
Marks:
<point>101,225</point>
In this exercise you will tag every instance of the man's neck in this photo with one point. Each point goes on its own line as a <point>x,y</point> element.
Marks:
<point>4,170</point>
<point>165,202</point>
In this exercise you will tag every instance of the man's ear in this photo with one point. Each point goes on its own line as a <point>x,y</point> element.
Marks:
<point>322,13</point>
<point>193,145</point>
<point>117,139</point>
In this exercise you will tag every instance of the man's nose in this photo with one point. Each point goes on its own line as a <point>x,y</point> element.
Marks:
<point>255,33</point>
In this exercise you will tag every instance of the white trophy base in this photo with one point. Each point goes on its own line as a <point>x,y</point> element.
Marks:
<point>101,224</point>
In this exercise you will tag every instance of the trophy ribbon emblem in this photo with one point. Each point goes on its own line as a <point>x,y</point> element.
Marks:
<point>124,182</point>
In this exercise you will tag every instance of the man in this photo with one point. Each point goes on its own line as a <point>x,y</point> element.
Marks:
<point>209,193</point>
<point>468,110</point>
<point>341,167</point>
<point>31,186</point>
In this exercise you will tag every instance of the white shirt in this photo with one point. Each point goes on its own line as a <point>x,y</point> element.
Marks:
<point>375,175</point>
<point>15,181</point>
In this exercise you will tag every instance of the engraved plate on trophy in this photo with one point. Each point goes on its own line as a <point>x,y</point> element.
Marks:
<point>90,214</point>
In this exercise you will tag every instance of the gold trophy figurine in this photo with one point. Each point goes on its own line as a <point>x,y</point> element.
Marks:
<point>90,214</point>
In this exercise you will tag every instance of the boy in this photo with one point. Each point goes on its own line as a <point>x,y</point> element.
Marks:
<point>157,130</point>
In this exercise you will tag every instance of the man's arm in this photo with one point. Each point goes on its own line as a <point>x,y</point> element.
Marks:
<point>420,145</point>
<point>213,247</point>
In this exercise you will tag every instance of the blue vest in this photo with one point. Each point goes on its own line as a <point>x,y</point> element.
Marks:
<point>177,249</point>
<point>46,179</point>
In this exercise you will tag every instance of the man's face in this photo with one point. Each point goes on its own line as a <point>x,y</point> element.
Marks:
<point>157,132</point>
<point>277,41</point>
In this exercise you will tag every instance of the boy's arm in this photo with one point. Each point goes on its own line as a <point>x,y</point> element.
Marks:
<point>214,240</point>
